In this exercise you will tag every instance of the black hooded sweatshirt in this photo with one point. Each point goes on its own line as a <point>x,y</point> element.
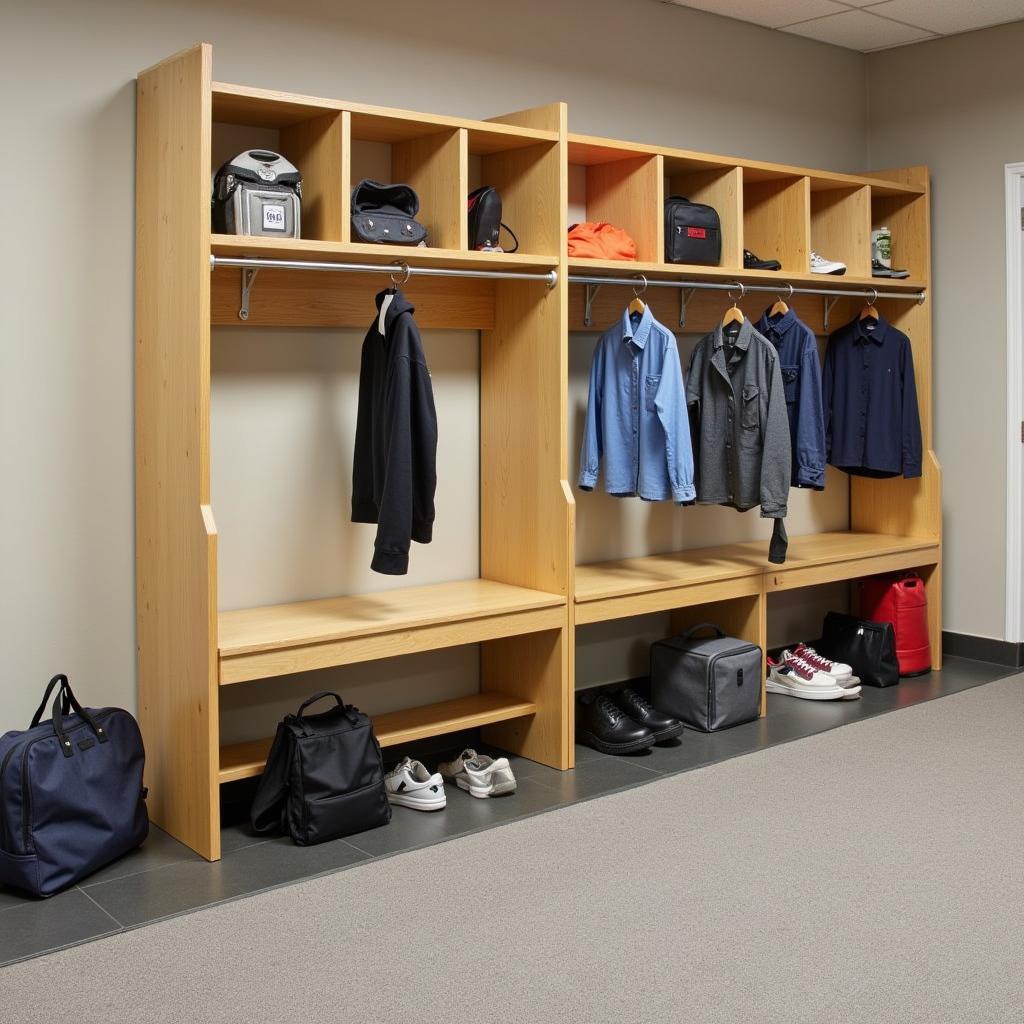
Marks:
<point>394,469</point>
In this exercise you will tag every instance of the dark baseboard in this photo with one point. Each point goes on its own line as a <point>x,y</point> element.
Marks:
<point>983,648</point>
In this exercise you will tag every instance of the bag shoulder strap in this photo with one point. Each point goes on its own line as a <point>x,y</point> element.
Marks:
<point>268,808</point>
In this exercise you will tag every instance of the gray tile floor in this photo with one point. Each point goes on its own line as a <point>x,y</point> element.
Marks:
<point>164,878</point>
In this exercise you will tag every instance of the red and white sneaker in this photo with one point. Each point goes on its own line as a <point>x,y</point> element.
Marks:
<point>796,677</point>
<point>841,672</point>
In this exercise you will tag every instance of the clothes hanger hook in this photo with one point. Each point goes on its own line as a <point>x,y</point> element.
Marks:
<point>637,294</point>
<point>789,297</point>
<point>736,298</point>
<point>401,265</point>
<point>874,296</point>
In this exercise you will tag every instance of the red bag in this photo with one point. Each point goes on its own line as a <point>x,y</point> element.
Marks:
<point>902,601</point>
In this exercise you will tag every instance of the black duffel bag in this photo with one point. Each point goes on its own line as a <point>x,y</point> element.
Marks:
<point>324,777</point>
<point>386,213</point>
<point>693,232</point>
<point>869,648</point>
<point>71,794</point>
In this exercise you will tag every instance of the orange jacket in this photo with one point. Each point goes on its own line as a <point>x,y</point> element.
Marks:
<point>600,242</point>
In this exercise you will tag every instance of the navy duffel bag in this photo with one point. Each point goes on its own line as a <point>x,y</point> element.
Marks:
<point>71,794</point>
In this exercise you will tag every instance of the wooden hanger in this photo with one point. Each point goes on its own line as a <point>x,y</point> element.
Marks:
<point>869,307</point>
<point>734,314</point>
<point>637,304</point>
<point>780,308</point>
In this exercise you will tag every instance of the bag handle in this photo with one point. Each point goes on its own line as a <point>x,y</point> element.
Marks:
<point>513,234</point>
<point>61,680</point>
<point>64,697</point>
<point>702,625</point>
<point>319,696</point>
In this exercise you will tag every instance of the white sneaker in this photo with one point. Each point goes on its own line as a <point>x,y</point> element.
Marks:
<point>798,678</point>
<point>480,775</point>
<point>839,670</point>
<point>409,784</point>
<point>820,265</point>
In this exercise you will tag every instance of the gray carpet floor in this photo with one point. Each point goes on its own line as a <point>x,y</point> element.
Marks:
<point>873,873</point>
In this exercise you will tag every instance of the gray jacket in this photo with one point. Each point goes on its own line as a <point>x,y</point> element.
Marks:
<point>739,425</point>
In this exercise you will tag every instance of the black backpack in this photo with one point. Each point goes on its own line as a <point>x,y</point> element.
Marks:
<point>324,777</point>
<point>485,223</point>
<point>693,232</point>
<point>386,214</point>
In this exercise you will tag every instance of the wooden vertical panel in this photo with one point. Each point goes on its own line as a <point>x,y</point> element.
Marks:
<point>722,188</point>
<point>175,534</point>
<point>777,221</point>
<point>526,505</point>
<point>346,176</point>
<point>521,175</point>
<point>932,576</point>
<point>432,165</point>
<point>315,147</point>
<point>628,194</point>
<point>742,617</point>
<point>841,227</point>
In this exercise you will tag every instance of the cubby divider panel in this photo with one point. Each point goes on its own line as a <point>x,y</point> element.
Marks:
<point>776,220</point>
<point>841,227</point>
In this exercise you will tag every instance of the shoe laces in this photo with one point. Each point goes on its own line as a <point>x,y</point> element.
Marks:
<point>810,655</point>
<point>607,706</point>
<point>802,667</point>
<point>815,258</point>
<point>637,701</point>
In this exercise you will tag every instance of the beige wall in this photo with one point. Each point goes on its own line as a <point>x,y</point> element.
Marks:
<point>282,404</point>
<point>957,105</point>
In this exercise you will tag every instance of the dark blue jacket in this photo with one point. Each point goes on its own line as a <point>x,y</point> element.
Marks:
<point>801,378</point>
<point>872,425</point>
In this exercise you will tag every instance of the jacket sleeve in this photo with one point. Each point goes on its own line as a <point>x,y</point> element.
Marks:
<point>828,382</point>
<point>673,414</point>
<point>777,452</point>
<point>809,457</point>
<point>911,417</point>
<point>394,517</point>
<point>592,448</point>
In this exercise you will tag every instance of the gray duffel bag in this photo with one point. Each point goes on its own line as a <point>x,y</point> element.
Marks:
<point>709,683</point>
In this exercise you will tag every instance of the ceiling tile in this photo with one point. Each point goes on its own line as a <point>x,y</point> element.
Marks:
<point>771,15</point>
<point>859,30</point>
<point>947,16</point>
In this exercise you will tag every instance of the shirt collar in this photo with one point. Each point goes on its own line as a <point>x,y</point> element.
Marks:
<point>779,326</point>
<point>639,334</point>
<point>742,342</point>
<point>877,335</point>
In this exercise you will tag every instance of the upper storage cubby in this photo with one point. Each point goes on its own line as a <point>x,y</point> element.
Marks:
<point>719,185</point>
<point>776,218</point>
<point>841,225</point>
<point>906,217</point>
<point>307,135</point>
<point>620,186</point>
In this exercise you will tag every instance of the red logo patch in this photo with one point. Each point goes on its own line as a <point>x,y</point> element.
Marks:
<point>696,233</point>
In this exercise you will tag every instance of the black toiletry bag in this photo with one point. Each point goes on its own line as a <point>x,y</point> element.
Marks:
<point>709,683</point>
<point>386,213</point>
<point>693,232</point>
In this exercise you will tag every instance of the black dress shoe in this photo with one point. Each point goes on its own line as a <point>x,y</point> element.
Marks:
<point>603,725</point>
<point>664,727</point>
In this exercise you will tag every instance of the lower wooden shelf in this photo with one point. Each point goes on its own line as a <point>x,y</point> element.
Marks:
<point>257,643</point>
<point>637,586</point>
<point>246,760</point>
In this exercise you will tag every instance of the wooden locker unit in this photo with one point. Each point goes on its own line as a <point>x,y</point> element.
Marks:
<point>523,610</point>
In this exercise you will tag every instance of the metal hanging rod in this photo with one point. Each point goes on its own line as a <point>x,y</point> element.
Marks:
<point>639,283</point>
<point>251,266</point>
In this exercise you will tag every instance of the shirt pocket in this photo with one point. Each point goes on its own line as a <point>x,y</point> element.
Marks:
<point>750,414</point>
<point>651,385</point>
<point>791,383</point>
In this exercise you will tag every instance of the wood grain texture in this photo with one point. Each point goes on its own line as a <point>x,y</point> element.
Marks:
<point>662,599</point>
<point>247,760</point>
<point>777,221</point>
<point>841,228</point>
<point>721,188</point>
<point>315,147</point>
<point>521,176</point>
<point>630,194</point>
<point>434,165</point>
<point>176,551</point>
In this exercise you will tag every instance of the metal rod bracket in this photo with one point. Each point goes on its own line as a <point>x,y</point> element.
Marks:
<point>588,302</point>
<point>248,280</point>
<point>685,298</point>
<point>829,305</point>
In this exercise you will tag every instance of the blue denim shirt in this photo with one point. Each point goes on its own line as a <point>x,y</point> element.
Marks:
<point>801,378</point>
<point>637,418</point>
<point>872,424</point>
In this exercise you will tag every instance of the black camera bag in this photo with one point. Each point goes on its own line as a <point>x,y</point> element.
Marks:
<point>693,232</point>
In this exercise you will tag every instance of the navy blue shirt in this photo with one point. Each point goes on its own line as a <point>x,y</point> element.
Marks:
<point>872,426</point>
<point>801,378</point>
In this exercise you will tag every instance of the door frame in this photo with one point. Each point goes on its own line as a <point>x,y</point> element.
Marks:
<point>1014,624</point>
